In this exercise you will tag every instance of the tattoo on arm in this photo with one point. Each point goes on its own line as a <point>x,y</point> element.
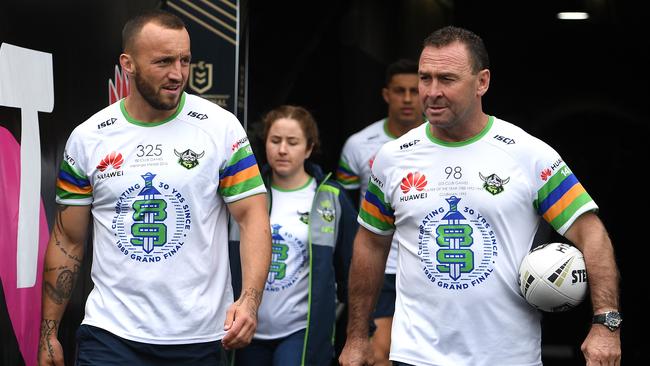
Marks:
<point>65,282</point>
<point>64,251</point>
<point>49,327</point>
<point>59,217</point>
<point>60,228</point>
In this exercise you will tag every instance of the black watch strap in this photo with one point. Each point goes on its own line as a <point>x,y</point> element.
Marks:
<point>611,319</point>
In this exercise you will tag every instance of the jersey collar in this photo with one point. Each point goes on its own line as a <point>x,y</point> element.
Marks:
<point>470,140</point>
<point>134,121</point>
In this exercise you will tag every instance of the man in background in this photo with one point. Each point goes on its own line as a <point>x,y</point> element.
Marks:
<point>404,113</point>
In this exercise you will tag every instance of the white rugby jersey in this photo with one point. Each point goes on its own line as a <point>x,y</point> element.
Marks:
<point>158,192</point>
<point>283,310</point>
<point>465,215</point>
<point>354,166</point>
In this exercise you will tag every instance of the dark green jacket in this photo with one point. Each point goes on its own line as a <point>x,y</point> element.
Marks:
<point>332,227</point>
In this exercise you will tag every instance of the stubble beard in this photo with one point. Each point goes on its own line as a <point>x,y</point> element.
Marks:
<point>152,97</point>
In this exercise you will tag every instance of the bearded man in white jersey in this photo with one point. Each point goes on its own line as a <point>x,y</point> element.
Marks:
<point>159,171</point>
<point>462,238</point>
<point>404,113</point>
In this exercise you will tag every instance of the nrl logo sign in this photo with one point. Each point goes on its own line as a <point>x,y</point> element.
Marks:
<point>493,184</point>
<point>200,77</point>
<point>188,158</point>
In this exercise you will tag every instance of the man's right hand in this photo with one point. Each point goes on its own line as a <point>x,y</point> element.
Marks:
<point>50,352</point>
<point>61,268</point>
<point>357,352</point>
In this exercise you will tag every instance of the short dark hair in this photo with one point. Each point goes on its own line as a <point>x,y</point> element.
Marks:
<point>475,46</point>
<point>305,120</point>
<point>401,66</point>
<point>134,25</point>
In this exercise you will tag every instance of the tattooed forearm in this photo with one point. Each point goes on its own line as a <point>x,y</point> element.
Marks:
<point>50,269</point>
<point>57,241</point>
<point>59,217</point>
<point>65,282</point>
<point>49,328</point>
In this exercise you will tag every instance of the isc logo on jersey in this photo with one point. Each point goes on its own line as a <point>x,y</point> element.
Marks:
<point>197,115</point>
<point>106,123</point>
<point>409,144</point>
<point>504,139</point>
<point>456,245</point>
<point>152,220</point>
<point>283,273</point>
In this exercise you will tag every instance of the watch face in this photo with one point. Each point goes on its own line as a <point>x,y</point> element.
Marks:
<point>613,319</point>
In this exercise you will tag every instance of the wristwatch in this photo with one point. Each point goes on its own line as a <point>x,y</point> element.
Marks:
<point>610,319</point>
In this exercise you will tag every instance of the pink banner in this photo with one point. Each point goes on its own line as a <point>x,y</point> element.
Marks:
<point>23,304</point>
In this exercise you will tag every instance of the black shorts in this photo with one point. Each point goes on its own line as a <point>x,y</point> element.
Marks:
<point>97,347</point>
<point>385,307</point>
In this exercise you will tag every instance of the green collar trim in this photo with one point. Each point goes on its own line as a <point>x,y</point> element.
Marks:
<point>134,121</point>
<point>386,130</point>
<point>471,140</point>
<point>294,189</point>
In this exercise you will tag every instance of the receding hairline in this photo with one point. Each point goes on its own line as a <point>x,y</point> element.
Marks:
<point>473,43</point>
<point>134,26</point>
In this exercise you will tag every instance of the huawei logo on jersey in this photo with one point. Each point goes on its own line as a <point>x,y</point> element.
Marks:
<point>413,180</point>
<point>545,174</point>
<point>113,159</point>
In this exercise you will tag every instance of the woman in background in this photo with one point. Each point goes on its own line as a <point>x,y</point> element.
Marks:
<point>313,224</point>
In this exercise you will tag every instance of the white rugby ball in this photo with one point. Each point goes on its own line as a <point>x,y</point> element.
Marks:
<point>553,277</point>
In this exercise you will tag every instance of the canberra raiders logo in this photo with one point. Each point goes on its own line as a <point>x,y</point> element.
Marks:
<point>152,221</point>
<point>326,211</point>
<point>188,158</point>
<point>457,246</point>
<point>304,216</point>
<point>493,184</point>
<point>283,272</point>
